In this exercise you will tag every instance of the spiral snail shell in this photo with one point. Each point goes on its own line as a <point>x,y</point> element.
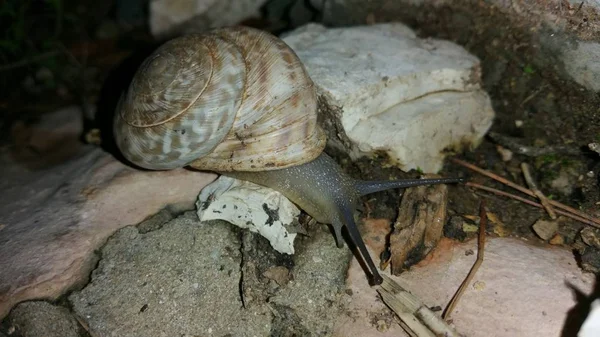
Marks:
<point>239,102</point>
<point>235,99</point>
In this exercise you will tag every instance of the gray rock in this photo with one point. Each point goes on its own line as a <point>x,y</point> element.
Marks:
<point>310,304</point>
<point>42,319</point>
<point>181,280</point>
<point>184,279</point>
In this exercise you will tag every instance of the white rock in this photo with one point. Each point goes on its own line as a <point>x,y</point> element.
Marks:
<point>407,97</point>
<point>591,326</point>
<point>520,289</point>
<point>247,205</point>
<point>168,14</point>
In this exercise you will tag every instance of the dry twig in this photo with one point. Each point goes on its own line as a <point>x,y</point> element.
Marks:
<point>532,203</point>
<point>516,146</point>
<point>533,187</point>
<point>480,250</point>
<point>526,191</point>
<point>417,318</point>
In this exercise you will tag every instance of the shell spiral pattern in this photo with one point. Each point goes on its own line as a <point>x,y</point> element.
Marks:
<point>232,99</point>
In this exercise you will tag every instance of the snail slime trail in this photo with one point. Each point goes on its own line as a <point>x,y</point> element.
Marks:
<point>238,101</point>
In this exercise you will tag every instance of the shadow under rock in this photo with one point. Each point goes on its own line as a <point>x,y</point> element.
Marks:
<point>577,315</point>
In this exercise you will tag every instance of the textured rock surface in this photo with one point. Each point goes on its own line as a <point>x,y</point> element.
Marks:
<point>183,279</point>
<point>168,16</point>
<point>395,94</point>
<point>583,64</point>
<point>253,207</point>
<point>318,288</point>
<point>43,319</point>
<point>567,33</point>
<point>58,206</point>
<point>180,280</point>
<point>519,290</point>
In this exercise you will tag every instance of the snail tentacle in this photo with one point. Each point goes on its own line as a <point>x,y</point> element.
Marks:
<point>365,187</point>
<point>347,218</point>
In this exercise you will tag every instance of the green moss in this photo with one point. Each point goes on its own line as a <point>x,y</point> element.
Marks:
<point>528,69</point>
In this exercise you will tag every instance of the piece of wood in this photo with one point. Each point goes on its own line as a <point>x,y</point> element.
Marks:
<point>415,315</point>
<point>419,225</point>
<point>533,187</point>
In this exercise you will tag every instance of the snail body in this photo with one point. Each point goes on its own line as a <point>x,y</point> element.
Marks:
<point>238,101</point>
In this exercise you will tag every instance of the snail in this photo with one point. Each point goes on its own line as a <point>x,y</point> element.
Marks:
<point>237,101</point>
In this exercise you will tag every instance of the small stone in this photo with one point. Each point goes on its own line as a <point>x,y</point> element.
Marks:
<point>43,319</point>
<point>470,228</point>
<point>281,275</point>
<point>591,237</point>
<point>590,260</point>
<point>557,240</point>
<point>454,228</point>
<point>44,75</point>
<point>501,230</point>
<point>563,183</point>
<point>545,229</point>
<point>382,326</point>
<point>506,154</point>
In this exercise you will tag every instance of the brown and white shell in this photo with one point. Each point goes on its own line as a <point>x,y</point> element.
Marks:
<point>232,99</point>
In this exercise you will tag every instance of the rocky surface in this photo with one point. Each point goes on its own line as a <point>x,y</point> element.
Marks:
<point>183,279</point>
<point>520,290</point>
<point>43,319</point>
<point>58,206</point>
<point>569,32</point>
<point>582,63</point>
<point>387,92</point>
<point>168,17</point>
<point>63,200</point>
